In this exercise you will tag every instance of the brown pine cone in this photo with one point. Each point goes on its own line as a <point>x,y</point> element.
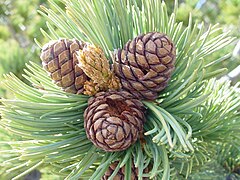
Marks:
<point>114,120</point>
<point>59,59</point>
<point>121,173</point>
<point>145,64</point>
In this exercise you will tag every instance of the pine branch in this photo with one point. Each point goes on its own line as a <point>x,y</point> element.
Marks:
<point>190,114</point>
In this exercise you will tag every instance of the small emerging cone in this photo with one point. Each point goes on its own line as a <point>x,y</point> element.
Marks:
<point>145,65</point>
<point>121,173</point>
<point>91,88</point>
<point>114,120</point>
<point>59,59</point>
<point>96,66</point>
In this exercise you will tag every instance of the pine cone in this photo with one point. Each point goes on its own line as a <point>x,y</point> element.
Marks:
<point>121,173</point>
<point>59,59</point>
<point>96,66</point>
<point>113,120</point>
<point>145,64</point>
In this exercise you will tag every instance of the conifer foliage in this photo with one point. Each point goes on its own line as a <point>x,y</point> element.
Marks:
<point>183,123</point>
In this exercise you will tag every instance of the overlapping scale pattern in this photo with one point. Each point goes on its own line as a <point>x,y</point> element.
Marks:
<point>145,64</point>
<point>121,173</point>
<point>60,60</point>
<point>114,120</point>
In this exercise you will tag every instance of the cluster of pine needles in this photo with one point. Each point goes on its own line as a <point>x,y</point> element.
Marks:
<point>185,126</point>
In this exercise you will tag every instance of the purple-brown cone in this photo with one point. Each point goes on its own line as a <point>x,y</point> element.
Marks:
<point>145,64</point>
<point>114,120</point>
<point>59,59</point>
<point>121,173</point>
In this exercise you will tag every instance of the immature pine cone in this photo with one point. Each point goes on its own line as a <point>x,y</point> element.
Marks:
<point>113,120</point>
<point>59,59</point>
<point>121,173</point>
<point>145,64</point>
<point>96,66</point>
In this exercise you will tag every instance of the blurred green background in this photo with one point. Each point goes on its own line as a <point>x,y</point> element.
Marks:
<point>20,24</point>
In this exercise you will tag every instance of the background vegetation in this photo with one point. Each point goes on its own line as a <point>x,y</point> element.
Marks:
<point>20,24</point>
